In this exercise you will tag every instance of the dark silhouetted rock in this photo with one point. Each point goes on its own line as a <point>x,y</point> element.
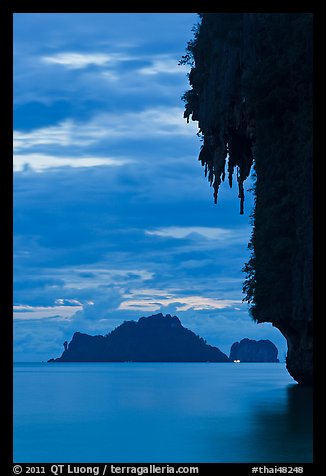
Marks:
<point>251,92</point>
<point>156,338</point>
<point>248,350</point>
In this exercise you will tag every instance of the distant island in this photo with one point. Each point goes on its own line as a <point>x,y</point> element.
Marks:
<point>157,338</point>
<point>248,350</point>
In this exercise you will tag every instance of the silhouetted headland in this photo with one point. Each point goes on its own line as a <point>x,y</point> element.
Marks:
<point>156,338</point>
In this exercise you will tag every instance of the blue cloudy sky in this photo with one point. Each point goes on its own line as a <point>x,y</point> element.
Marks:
<point>113,218</point>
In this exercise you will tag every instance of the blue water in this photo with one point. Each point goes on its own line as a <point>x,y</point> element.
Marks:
<point>160,413</point>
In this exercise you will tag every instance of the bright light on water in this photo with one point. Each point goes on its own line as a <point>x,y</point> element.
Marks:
<point>156,413</point>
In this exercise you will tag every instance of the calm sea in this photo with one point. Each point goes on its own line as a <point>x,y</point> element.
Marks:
<point>160,413</point>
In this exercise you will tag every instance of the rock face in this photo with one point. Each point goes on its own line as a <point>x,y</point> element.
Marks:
<point>248,350</point>
<point>156,338</point>
<point>252,95</point>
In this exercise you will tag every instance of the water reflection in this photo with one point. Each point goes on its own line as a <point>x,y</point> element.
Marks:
<point>283,432</point>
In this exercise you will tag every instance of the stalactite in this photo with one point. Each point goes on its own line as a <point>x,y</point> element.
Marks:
<point>230,133</point>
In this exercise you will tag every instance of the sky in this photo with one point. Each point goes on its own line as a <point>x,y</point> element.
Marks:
<point>113,217</point>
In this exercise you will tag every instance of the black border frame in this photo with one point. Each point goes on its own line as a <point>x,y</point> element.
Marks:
<point>7,10</point>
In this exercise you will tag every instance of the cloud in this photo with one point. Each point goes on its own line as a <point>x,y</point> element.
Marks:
<point>224,236</point>
<point>77,60</point>
<point>99,57</point>
<point>68,302</point>
<point>93,277</point>
<point>154,300</point>
<point>163,65</point>
<point>161,121</point>
<point>42,162</point>
<point>26,312</point>
<point>63,134</point>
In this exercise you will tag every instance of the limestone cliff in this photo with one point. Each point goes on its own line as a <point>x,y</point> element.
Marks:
<point>251,93</point>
